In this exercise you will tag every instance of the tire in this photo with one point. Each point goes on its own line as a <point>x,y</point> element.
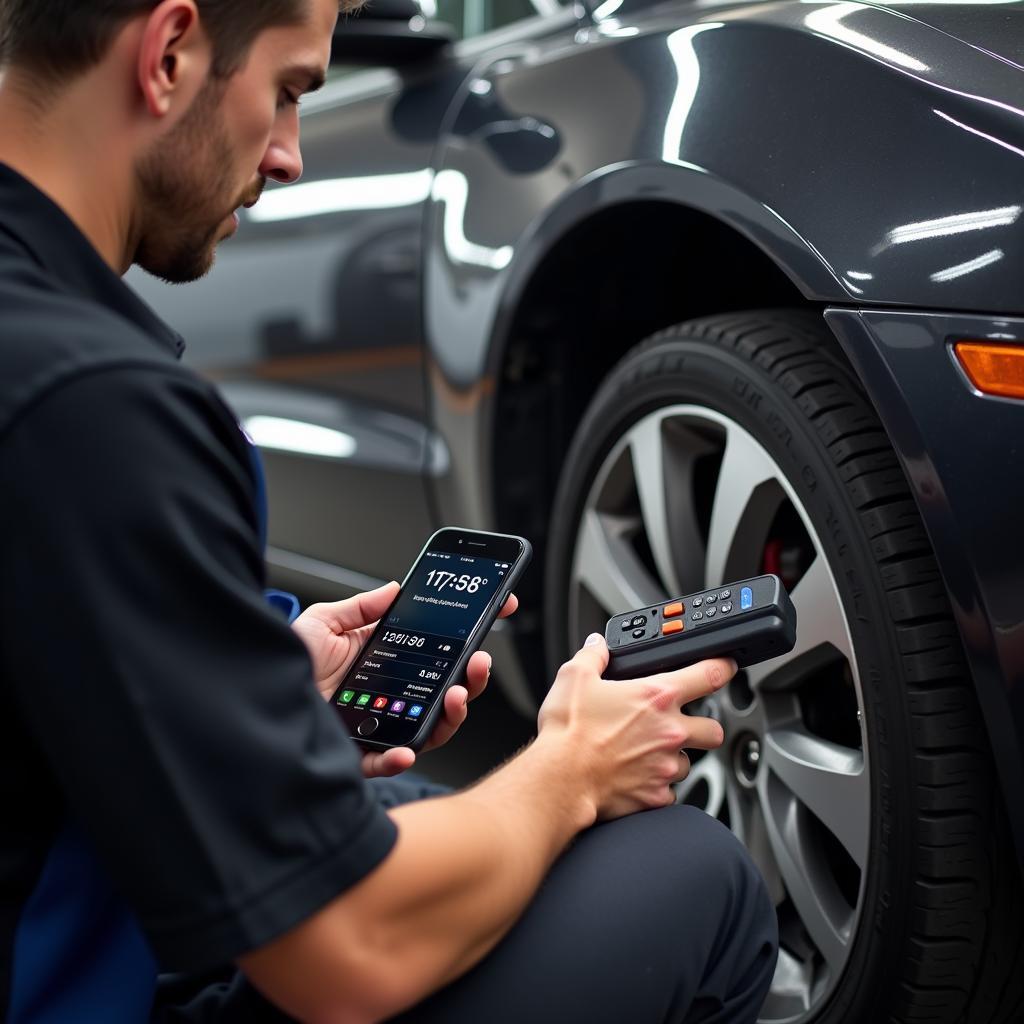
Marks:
<point>896,828</point>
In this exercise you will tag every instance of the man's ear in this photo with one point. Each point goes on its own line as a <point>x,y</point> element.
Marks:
<point>174,57</point>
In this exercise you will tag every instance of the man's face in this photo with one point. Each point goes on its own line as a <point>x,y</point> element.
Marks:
<point>238,133</point>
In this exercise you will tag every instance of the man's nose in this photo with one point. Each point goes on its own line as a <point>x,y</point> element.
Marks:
<point>283,161</point>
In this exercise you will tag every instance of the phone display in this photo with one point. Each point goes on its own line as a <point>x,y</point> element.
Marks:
<point>392,695</point>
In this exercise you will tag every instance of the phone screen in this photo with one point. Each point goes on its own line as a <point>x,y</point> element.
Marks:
<point>394,687</point>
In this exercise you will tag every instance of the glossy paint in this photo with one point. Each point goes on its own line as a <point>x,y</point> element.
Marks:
<point>877,159</point>
<point>874,152</point>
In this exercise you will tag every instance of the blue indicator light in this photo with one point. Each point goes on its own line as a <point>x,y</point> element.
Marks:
<point>746,598</point>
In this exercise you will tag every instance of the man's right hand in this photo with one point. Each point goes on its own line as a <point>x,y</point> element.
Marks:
<point>626,737</point>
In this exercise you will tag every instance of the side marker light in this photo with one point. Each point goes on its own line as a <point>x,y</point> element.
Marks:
<point>994,369</point>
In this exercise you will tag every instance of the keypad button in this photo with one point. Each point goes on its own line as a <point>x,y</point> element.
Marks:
<point>675,626</point>
<point>710,598</point>
<point>710,613</point>
<point>725,608</point>
<point>638,633</point>
<point>697,616</point>
<point>675,608</point>
<point>638,621</point>
<point>725,595</point>
<point>627,623</point>
<point>697,602</point>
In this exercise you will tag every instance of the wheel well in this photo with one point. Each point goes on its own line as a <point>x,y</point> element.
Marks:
<point>608,283</point>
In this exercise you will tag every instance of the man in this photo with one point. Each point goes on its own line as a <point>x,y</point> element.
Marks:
<point>177,796</point>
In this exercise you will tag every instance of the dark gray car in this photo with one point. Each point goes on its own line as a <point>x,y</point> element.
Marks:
<point>675,291</point>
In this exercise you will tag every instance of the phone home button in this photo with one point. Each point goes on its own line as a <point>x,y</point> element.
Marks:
<point>368,726</point>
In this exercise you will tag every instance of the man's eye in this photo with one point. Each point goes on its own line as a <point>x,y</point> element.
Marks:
<point>289,99</point>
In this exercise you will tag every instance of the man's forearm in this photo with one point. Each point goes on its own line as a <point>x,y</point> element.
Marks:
<point>461,873</point>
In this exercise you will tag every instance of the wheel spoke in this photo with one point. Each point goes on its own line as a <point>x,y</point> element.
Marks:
<point>648,453</point>
<point>745,467</point>
<point>607,566</point>
<point>830,780</point>
<point>709,770</point>
<point>819,620</point>
<point>747,822</point>
<point>807,877</point>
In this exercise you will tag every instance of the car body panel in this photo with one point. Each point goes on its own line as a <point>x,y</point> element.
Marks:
<point>700,101</point>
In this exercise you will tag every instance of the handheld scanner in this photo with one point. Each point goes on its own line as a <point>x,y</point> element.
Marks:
<point>752,620</point>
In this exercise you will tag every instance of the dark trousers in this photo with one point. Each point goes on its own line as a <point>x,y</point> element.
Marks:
<point>659,918</point>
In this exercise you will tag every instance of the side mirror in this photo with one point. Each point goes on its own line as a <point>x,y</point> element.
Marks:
<point>390,33</point>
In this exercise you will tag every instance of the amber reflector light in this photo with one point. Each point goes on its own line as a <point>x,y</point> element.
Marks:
<point>993,369</point>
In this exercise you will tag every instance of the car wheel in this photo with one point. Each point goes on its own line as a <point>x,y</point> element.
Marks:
<point>855,769</point>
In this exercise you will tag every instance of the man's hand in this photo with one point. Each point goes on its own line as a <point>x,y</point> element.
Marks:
<point>626,737</point>
<point>335,633</point>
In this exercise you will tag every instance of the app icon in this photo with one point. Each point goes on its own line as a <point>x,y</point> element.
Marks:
<point>364,699</point>
<point>380,703</point>
<point>399,705</point>
<point>416,710</point>
<point>346,696</point>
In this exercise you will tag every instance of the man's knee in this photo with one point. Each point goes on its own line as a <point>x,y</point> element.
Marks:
<point>742,960</point>
<point>701,862</point>
<point>689,845</point>
<point>689,853</point>
<point>694,884</point>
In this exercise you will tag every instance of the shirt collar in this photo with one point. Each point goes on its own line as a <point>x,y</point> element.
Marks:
<point>51,239</point>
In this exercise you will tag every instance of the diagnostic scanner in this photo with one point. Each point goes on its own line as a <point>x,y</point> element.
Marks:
<point>751,621</point>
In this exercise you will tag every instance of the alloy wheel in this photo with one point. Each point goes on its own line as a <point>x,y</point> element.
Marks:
<point>688,500</point>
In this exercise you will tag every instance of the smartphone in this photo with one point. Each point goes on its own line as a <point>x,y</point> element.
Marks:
<point>394,693</point>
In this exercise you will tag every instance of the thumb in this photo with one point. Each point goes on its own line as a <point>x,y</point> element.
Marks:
<point>362,609</point>
<point>593,655</point>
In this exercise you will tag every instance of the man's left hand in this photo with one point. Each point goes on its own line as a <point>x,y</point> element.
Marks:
<point>335,633</point>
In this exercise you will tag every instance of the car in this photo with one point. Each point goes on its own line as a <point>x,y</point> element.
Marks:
<point>686,292</point>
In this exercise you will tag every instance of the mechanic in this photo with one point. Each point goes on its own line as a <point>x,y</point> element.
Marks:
<point>177,796</point>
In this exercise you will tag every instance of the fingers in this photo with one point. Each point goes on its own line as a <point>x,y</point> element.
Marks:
<point>455,712</point>
<point>360,610</point>
<point>684,767</point>
<point>696,681</point>
<point>593,655</point>
<point>703,733</point>
<point>510,607</point>
<point>383,764</point>
<point>478,671</point>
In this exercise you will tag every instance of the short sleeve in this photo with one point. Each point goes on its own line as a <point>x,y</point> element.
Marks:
<point>178,712</point>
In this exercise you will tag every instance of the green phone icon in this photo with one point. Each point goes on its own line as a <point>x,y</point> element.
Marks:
<point>364,699</point>
<point>347,695</point>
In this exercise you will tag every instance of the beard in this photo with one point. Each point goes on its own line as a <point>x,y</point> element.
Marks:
<point>186,192</point>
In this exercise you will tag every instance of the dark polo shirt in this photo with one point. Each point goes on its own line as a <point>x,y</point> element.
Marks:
<point>174,791</point>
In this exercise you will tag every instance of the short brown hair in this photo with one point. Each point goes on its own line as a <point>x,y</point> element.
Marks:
<point>58,39</point>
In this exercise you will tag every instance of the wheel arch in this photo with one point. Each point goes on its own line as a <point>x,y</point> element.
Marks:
<point>662,245</point>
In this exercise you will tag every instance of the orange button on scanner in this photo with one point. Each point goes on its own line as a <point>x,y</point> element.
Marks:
<point>676,608</point>
<point>675,626</point>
